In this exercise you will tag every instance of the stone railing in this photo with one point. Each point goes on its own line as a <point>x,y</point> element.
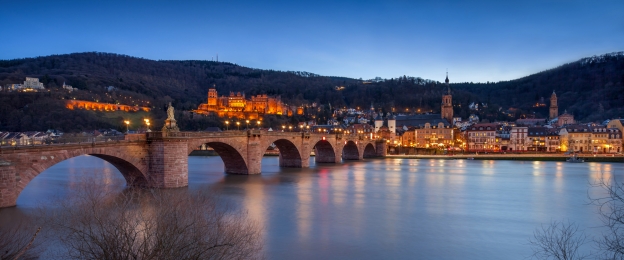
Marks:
<point>59,141</point>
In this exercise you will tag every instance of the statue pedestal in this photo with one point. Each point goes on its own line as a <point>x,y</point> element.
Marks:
<point>170,126</point>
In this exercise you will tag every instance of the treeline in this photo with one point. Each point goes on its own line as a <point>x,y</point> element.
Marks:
<point>591,88</point>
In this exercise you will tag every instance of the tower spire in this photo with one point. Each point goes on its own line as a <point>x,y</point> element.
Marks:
<point>448,87</point>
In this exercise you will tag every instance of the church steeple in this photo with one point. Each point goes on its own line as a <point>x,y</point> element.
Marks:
<point>447,103</point>
<point>448,87</point>
<point>554,109</point>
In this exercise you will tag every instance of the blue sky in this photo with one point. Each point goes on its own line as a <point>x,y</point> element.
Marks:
<point>475,40</point>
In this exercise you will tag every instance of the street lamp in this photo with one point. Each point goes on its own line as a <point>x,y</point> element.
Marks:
<point>289,128</point>
<point>147,122</point>
<point>247,123</point>
<point>227,124</point>
<point>259,123</point>
<point>127,125</point>
<point>238,125</point>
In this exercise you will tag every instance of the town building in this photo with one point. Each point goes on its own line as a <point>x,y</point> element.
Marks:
<point>33,84</point>
<point>503,137</point>
<point>565,119</point>
<point>482,137</point>
<point>575,138</point>
<point>614,144</point>
<point>531,121</point>
<point>553,140</point>
<point>600,138</point>
<point>536,139</point>
<point>517,138</point>
<point>428,130</point>
<point>68,87</point>
<point>108,107</point>
<point>360,129</point>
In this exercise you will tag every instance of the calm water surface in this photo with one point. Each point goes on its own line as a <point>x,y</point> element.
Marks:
<point>378,209</point>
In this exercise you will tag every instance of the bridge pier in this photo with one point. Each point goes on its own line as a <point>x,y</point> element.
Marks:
<point>381,148</point>
<point>8,185</point>
<point>168,163</point>
<point>255,152</point>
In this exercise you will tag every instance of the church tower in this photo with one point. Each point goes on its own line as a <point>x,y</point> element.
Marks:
<point>447,103</point>
<point>554,110</point>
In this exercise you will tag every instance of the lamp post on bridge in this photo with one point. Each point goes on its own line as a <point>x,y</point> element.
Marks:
<point>227,124</point>
<point>147,122</point>
<point>259,124</point>
<point>127,126</point>
<point>238,125</point>
<point>247,123</point>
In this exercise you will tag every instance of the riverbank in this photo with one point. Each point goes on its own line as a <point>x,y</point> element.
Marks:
<point>515,157</point>
<point>508,157</point>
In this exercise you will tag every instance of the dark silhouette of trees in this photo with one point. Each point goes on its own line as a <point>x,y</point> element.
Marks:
<point>152,224</point>
<point>559,240</point>
<point>582,87</point>
<point>19,241</point>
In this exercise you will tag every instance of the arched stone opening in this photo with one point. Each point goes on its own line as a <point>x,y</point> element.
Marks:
<point>324,152</point>
<point>133,176</point>
<point>232,160</point>
<point>289,155</point>
<point>350,151</point>
<point>25,173</point>
<point>369,151</point>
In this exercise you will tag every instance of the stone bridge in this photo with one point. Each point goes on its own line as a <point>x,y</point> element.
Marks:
<point>160,160</point>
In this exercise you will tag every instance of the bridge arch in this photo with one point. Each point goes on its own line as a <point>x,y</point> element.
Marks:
<point>233,160</point>
<point>350,151</point>
<point>28,165</point>
<point>324,152</point>
<point>289,153</point>
<point>369,151</point>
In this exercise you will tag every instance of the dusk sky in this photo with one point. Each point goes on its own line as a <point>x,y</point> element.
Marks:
<point>475,40</point>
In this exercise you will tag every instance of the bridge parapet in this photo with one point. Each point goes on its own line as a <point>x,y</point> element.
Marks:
<point>157,135</point>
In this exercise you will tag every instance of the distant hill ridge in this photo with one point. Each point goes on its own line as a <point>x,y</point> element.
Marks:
<point>590,88</point>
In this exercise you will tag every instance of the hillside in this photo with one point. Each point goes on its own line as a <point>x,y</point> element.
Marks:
<point>590,88</point>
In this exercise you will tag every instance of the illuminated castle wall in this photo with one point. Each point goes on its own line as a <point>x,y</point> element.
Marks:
<point>236,105</point>
<point>89,105</point>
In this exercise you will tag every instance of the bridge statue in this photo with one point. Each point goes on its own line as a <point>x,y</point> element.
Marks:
<point>170,122</point>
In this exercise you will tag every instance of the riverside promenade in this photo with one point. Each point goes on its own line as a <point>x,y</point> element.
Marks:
<point>517,157</point>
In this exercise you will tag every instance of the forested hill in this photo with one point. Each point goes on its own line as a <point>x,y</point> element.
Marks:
<point>590,88</point>
<point>184,81</point>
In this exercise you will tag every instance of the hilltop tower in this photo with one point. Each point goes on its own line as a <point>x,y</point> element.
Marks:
<point>212,97</point>
<point>554,109</point>
<point>447,103</point>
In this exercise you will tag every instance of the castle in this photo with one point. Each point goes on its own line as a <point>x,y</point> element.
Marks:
<point>236,105</point>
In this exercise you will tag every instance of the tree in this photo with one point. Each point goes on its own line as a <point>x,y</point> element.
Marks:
<point>152,224</point>
<point>19,241</point>
<point>559,240</point>
<point>611,210</point>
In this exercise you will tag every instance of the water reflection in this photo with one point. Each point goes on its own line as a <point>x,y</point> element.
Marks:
<point>391,209</point>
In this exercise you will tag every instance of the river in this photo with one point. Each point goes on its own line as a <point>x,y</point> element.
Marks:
<point>379,208</point>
